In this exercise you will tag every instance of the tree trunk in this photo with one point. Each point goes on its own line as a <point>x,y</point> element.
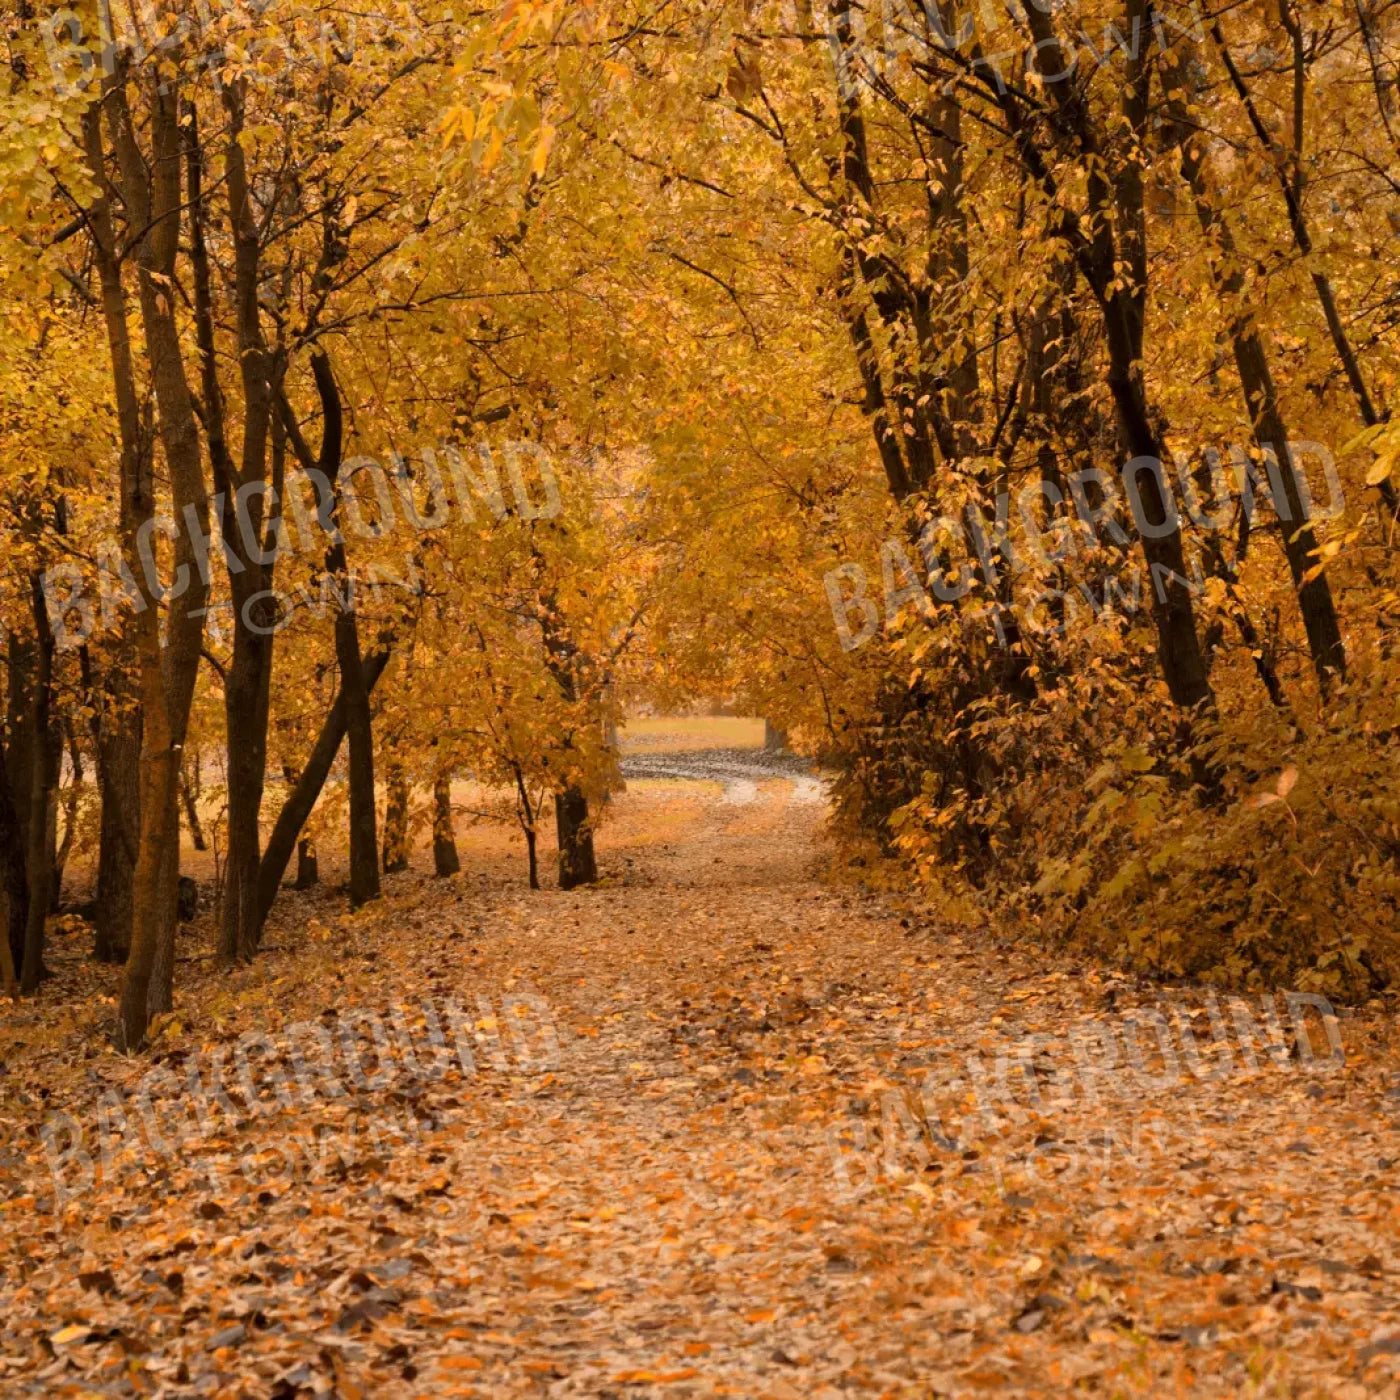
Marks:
<point>351,713</point>
<point>150,189</point>
<point>1319,613</point>
<point>396,820</point>
<point>189,795</point>
<point>7,962</point>
<point>160,996</point>
<point>445,861</point>
<point>14,879</point>
<point>246,721</point>
<point>152,890</point>
<point>775,740</point>
<point>359,725</point>
<point>302,798</point>
<point>51,851</point>
<point>19,762</point>
<point>119,774</point>
<point>1270,432</point>
<point>121,734</point>
<point>252,553</point>
<point>62,850</point>
<point>525,814</point>
<point>613,744</point>
<point>42,790</point>
<point>364,852</point>
<point>308,868</point>
<point>1112,258</point>
<point>577,864</point>
<point>1292,191</point>
<point>1178,644</point>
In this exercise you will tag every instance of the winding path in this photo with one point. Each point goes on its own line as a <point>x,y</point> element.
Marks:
<point>723,1183</point>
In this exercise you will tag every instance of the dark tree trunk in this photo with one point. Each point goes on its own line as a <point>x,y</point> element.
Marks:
<point>190,788</point>
<point>149,186</point>
<point>302,798</point>
<point>308,868</point>
<point>359,725</point>
<point>57,856</point>
<point>246,720</point>
<point>355,720</point>
<point>445,860</point>
<point>160,993</point>
<point>1111,253</point>
<point>1290,178</point>
<point>19,762</point>
<point>42,790</point>
<point>1315,603</point>
<point>1178,644</point>
<point>396,820</point>
<point>247,694</point>
<point>119,775</point>
<point>7,963</point>
<point>577,864</point>
<point>169,647</point>
<point>251,557</point>
<point>13,877</point>
<point>364,852</point>
<point>775,740</point>
<point>70,816</point>
<point>526,815</point>
<point>1266,416</point>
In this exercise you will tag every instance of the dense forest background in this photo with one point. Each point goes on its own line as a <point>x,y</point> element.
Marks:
<point>997,398</point>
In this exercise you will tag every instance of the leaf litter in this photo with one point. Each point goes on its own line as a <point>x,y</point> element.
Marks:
<point>681,1202</point>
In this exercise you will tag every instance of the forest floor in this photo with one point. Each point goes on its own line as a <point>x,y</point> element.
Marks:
<point>691,1158</point>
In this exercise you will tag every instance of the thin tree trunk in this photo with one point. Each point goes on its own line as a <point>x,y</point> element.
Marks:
<point>1291,190</point>
<point>364,853</point>
<point>1178,644</point>
<point>308,867</point>
<point>396,820</point>
<point>251,558</point>
<point>118,742</point>
<point>150,895</point>
<point>19,762</point>
<point>189,793</point>
<point>353,699</point>
<point>150,187</point>
<point>62,850</point>
<point>577,865</point>
<point>527,816</point>
<point>7,963</point>
<point>302,799</point>
<point>45,757</point>
<point>1111,256</point>
<point>14,878</point>
<point>160,996</point>
<point>1314,593</point>
<point>359,724</point>
<point>445,860</point>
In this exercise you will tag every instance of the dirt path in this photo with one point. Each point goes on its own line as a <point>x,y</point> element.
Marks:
<point>656,1184</point>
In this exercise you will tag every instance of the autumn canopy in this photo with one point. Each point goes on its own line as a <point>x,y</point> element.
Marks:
<point>995,397</point>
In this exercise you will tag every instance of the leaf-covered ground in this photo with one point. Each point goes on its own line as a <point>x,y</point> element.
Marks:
<point>677,1203</point>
